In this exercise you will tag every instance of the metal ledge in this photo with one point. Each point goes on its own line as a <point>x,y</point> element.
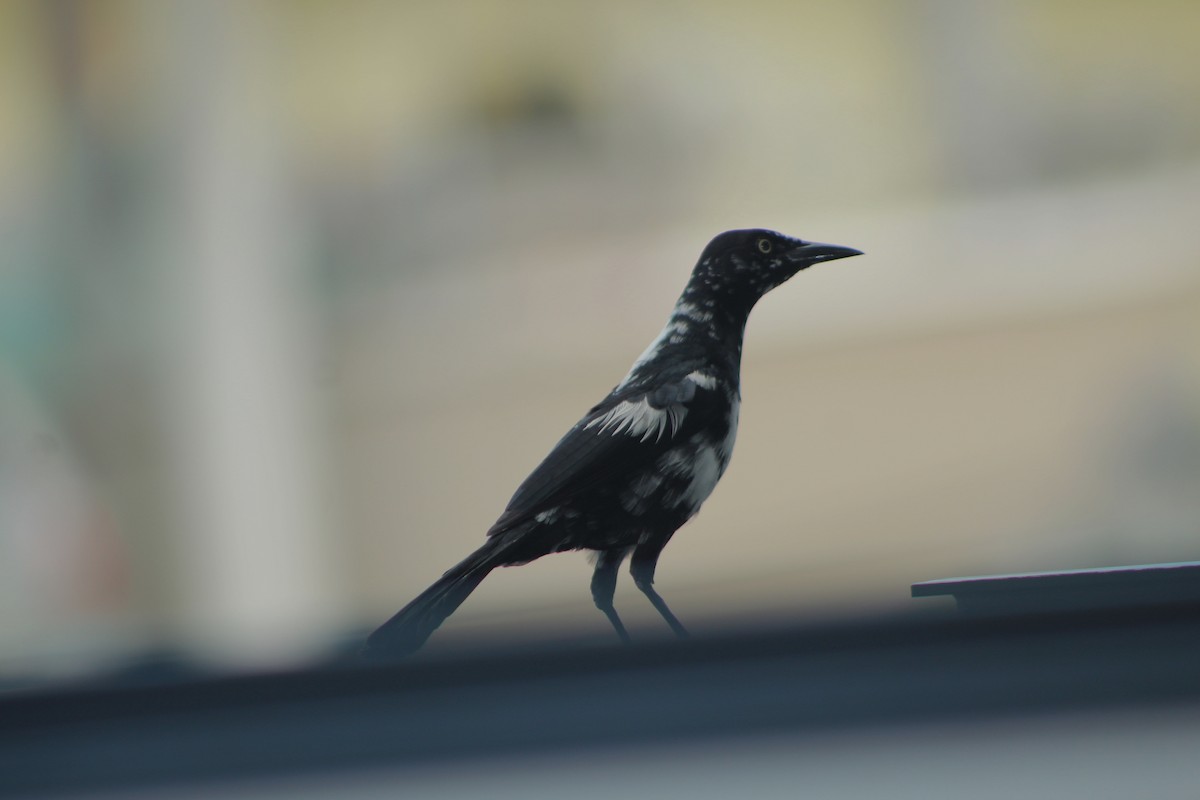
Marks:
<point>562,699</point>
<point>1141,586</point>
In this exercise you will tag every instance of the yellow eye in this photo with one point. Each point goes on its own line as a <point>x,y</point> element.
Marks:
<point>764,245</point>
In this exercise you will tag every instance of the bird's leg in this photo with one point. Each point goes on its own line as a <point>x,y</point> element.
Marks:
<point>604,586</point>
<point>645,559</point>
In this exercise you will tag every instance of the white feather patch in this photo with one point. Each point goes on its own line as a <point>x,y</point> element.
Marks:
<point>706,471</point>
<point>725,449</point>
<point>640,419</point>
<point>650,353</point>
<point>683,317</point>
<point>549,516</point>
<point>691,311</point>
<point>700,465</point>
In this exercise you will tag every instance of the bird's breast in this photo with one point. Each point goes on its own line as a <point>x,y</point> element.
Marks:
<point>701,478</point>
<point>685,476</point>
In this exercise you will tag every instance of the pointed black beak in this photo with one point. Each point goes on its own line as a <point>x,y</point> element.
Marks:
<point>812,252</point>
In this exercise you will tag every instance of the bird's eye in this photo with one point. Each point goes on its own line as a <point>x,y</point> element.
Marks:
<point>764,245</point>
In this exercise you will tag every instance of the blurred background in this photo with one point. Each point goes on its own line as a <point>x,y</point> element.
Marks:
<point>294,294</point>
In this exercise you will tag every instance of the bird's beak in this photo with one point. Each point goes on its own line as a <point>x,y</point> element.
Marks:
<point>812,252</point>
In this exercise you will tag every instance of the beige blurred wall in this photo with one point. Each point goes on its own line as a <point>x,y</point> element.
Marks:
<point>292,295</point>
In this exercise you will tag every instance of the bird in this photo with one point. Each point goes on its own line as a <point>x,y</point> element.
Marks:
<point>640,463</point>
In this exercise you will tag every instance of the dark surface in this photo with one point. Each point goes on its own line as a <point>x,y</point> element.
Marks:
<point>1073,590</point>
<point>562,699</point>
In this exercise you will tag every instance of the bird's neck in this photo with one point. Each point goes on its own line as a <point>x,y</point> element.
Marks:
<point>705,328</point>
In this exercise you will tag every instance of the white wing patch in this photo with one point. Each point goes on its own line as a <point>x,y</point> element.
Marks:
<point>639,418</point>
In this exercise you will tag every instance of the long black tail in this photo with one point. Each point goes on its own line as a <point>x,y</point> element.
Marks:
<point>408,629</point>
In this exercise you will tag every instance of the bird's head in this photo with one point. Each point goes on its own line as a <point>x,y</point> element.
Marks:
<point>749,263</point>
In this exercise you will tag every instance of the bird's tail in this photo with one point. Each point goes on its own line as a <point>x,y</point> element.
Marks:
<point>408,629</point>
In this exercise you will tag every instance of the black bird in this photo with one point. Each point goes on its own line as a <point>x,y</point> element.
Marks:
<point>640,462</point>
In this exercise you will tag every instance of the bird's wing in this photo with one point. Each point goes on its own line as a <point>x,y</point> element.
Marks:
<point>626,431</point>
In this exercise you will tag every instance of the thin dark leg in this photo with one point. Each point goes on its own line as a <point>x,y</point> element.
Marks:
<point>604,586</point>
<point>642,570</point>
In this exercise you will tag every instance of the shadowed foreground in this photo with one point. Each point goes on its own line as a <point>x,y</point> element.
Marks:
<point>527,714</point>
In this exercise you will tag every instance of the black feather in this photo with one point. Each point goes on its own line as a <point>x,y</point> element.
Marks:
<point>409,627</point>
